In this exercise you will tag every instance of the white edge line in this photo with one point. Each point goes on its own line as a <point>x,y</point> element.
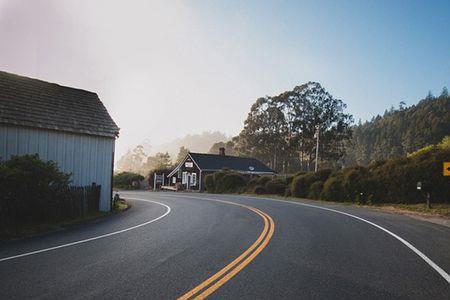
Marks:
<point>438,269</point>
<point>96,237</point>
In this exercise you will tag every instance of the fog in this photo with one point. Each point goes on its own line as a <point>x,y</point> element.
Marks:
<point>165,69</point>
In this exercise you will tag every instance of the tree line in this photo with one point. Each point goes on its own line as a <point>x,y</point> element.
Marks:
<point>282,132</point>
<point>400,131</point>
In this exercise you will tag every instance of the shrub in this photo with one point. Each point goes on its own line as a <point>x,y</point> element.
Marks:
<point>259,190</point>
<point>31,189</point>
<point>263,180</point>
<point>289,180</point>
<point>332,189</point>
<point>229,182</point>
<point>300,184</point>
<point>253,181</point>
<point>356,184</point>
<point>209,183</point>
<point>395,180</point>
<point>276,186</point>
<point>125,180</point>
<point>315,189</point>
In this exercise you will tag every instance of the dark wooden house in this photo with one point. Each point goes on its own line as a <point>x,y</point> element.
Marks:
<point>192,170</point>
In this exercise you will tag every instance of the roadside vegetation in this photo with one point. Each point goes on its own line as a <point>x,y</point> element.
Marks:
<point>391,181</point>
<point>36,196</point>
<point>127,180</point>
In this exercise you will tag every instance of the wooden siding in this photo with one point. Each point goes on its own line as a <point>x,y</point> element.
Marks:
<point>88,158</point>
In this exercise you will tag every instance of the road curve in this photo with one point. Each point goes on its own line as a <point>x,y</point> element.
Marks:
<point>312,253</point>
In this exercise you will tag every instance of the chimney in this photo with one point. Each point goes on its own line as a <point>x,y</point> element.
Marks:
<point>222,151</point>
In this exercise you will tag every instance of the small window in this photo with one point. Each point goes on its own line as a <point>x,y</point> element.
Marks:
<point>184,178</point>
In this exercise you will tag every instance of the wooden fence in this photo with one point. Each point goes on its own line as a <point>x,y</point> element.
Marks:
<point>56,204</point>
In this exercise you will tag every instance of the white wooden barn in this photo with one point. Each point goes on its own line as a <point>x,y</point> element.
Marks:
<point>67,125</point>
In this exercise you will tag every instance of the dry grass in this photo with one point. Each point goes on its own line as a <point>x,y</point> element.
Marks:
<point>436,210</point>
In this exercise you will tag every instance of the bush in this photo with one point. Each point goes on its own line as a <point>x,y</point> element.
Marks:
<point>300,184</point>
<point>31,190</point>
<point>356,184</point>
<point>276,186</point>
<point>209,183</point>
<point>263,180</point>
<point>259,190</point>
<point>332,189</point>
<point>315,190</point>
<point>228,182</point>
<point>127,180</point>
<point>395,180</point>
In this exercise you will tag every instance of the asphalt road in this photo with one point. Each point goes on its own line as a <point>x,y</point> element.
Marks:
<point>163,250</point>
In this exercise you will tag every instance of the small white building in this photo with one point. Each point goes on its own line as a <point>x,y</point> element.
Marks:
<point>66,125</point>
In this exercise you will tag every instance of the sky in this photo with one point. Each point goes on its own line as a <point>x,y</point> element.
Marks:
<point>165,69</point>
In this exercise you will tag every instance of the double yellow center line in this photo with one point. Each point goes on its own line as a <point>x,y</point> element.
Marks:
<point>214,282</point>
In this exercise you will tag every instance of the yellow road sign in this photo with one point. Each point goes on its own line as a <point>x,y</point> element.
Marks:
<point>447,169</point>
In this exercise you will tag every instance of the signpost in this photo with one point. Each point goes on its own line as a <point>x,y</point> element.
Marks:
<point>428,195</point>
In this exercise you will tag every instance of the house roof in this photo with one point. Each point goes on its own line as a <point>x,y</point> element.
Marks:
<point>213,162</point>
<point>35,103</point>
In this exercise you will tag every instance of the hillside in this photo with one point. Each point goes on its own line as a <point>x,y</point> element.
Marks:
<point>145,157</point>
<point>400,131</point>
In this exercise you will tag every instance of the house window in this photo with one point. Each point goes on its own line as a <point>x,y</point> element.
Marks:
<point>174,180</point>
<point>194,179</point>
<point>184,178</point>
<point>189,164</point>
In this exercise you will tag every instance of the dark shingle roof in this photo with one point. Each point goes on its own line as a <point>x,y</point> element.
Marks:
<point>214,162</point>
<point>35,103</point>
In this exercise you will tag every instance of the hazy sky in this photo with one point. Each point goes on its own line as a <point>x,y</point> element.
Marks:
<point>167,68</point>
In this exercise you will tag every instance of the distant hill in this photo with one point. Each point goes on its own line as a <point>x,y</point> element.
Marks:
<point>400,131</point>
<point>194,142</point>
<point>145,157</point>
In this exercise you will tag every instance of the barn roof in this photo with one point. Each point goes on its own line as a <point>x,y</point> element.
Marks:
<point>35,103</point>
<point>213,162</point>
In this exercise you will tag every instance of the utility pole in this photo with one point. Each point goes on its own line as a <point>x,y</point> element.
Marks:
<point>317,148</point>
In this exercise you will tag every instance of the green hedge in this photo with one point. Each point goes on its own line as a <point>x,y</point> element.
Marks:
<point>225,182</point>
<point>125,180</point>
<point>301,183</point>
<point>391,181</point>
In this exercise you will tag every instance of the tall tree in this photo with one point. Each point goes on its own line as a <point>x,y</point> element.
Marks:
<point>264,132</point>
<point>162,161</point>
<point>281,130</point>
<point>181,154</point>
<point>229,148</point>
